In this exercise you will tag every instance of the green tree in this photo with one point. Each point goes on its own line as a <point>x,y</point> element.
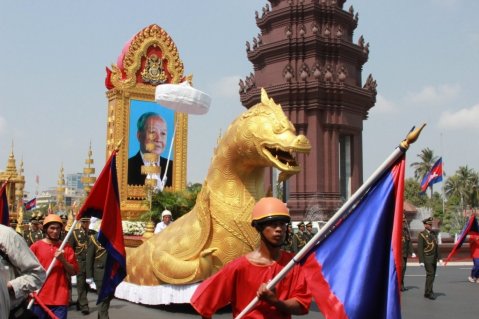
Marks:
<point>412,193</point>
<point>464,184</point>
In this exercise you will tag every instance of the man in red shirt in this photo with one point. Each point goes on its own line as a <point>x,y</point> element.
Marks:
<point>54,293</point>
<point>245,278</point>
<point>474,247</point>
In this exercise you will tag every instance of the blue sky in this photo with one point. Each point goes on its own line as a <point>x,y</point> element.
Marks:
<point>423,55</point>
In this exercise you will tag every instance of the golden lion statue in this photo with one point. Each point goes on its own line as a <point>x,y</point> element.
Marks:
<point>218,228</point>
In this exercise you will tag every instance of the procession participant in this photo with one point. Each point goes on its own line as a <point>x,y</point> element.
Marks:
<point>288,242</point>
<point>54,293</point>
<point>308,234</point>
<point>428,253</point>
<point>299,239</point>
<point>245,278</point>
<point>95,270</point>
<point>166,219</point>
<point>407,250</point>
<point>34,233</point>
<point>20,272</point>
<point>474,248</point>
<point>79,242</point>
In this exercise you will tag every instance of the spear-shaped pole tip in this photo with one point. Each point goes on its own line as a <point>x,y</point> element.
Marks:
<point>117,147</point>
<point>412,136</point>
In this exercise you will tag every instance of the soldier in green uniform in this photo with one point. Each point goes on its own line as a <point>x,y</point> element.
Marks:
<point>79,241</point>
<point>299,239</point>
<point>95,269</point>
<point>407,250</point>
<point>63,232</point>
<point>40,218</point>
<point>288,242</point>
<point>309,231</point>
<point>428,253</point>
<point>34,233</point>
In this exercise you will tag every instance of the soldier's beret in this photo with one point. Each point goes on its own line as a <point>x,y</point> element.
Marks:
<point>427,221</point>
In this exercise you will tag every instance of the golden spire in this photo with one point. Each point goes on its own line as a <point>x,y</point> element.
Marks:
<point>11,165</point>
<point>88,180</point>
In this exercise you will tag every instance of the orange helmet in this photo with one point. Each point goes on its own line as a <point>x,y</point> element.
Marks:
<point>51,218</point>
<point>270,209</point>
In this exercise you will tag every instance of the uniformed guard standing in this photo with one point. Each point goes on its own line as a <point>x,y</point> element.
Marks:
<point>428,253</point>
<point>299,239</point>
<point>288,242</point>
<point>407,250</point>
<point>309,234</point>
<point>95,269</point>
<point>34,233</point>
<point>79,241</point>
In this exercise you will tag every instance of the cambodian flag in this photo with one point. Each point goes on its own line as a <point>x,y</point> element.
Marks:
<point>103,202</point>
<point>31,204</point>
<point>470,227</point>
<point>4,215</point>
<point>434,175</point>
<point>354,272</point>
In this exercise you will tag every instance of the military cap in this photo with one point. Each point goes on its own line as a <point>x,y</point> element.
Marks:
<point>309,224</point>
<point>427,221</point>
<point>13,221</point>
<point>63,217</point>
<point>41,217</point>
<point>300,224</point>
<point>85,219</point>
<point>34,219</point>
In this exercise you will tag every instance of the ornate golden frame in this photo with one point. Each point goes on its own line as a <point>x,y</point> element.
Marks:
<point>125,85</point>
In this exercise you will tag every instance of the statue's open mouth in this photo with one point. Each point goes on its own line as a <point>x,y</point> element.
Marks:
<point>283,159</point>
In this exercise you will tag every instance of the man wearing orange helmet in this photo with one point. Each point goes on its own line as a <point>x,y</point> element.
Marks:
<point>54,292</point>
<point>245,278</point>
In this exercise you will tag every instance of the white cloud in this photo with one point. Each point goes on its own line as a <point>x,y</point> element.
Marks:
<point>384,106</point>
<point>467,118</point>
<point>227,86</point>
<point>431,95</point>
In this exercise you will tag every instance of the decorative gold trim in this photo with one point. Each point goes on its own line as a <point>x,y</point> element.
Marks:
<point>125,88</point>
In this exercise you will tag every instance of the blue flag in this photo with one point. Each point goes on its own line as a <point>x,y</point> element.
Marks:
<point>355,271</point>
<point>470,227</point>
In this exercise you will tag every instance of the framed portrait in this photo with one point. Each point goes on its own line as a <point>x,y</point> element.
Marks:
<point>150,122</point>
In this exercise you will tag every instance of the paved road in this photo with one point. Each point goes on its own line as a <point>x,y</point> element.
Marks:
<point>456,298</point>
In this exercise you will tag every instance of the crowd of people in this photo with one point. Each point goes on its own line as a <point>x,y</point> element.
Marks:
<point>25,258</point>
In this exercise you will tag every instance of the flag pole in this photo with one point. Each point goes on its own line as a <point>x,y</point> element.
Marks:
<point>340,214</point>
<point>52,264</point>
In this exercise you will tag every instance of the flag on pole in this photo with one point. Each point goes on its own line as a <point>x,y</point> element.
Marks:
<point>4,214</point>
<point>471,227</point>
<point>434,176</point>
<point>32,203</point>
<point>103,202</point>
<point>355,271</point>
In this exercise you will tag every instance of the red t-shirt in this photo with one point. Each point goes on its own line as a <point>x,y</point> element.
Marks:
<point>474,245</point>
<point>55,290</point>
<point>237,283</point>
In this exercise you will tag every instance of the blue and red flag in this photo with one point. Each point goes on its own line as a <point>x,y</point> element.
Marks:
<point>434,175</point>
<point>355,271</point>
<point>4,214</point>
<point>471,227</point>
<point>32,203</point>
<point>103,202</point>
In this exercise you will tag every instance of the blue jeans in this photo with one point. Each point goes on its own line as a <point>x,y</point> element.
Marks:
<point>475,268</point>
<point>59,311</point>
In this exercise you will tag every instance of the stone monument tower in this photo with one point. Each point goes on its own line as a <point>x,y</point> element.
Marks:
<point>306,59</point>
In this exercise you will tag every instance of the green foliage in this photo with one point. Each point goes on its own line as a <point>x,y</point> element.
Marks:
<point>179,203</point>
<point>412,193</point>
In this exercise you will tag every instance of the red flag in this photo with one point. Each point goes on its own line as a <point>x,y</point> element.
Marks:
<point>471,227</point>
<point>4,214</point>
<point>103,202</point>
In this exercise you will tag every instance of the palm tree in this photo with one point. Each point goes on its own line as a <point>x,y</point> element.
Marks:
<point>424,166</point>
<point>464,184</point>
